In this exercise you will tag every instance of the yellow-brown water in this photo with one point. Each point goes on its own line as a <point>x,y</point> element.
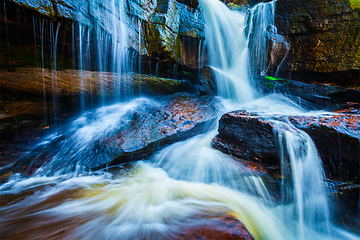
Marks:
<point>142,204</point>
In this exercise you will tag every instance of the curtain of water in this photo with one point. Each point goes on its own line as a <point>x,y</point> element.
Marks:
<point>100,38</point>
<point>227,44</point>
<point>260,23</point>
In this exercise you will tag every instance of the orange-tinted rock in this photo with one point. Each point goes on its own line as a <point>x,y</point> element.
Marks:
<point>337,140</point>
<point>225,228</point>
<point>71,82</point>
<point>336,136</point>
<point>179,118</point>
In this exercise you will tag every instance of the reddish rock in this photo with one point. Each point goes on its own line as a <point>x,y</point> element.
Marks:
<point>179,118</point>
<point>337,140</point>
<point>225,228</point>
<point>336,136</point>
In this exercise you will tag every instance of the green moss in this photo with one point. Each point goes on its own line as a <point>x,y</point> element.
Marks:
<point>272,78</point>
<point>355,4</point>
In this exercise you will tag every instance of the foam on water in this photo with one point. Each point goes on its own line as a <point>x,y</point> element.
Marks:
<point>160,198</point>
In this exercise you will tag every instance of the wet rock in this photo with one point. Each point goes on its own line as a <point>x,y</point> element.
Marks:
<point>207,81</point>
<point>345,199</point>
<point>168,32</point>
<point>72,82</point>
<point>227,228</point>
<point>143,130</point>
<point>324,38</point>
<point>247,136</point>
<point>310,95</point>
<point>337,140</point>
<point>179,118</point>
<point>253,137</point>
<point>278,50</point>
<point>165,34</point>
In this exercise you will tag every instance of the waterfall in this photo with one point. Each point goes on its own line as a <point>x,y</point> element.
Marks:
<point>185,184</point>
<point>103,43</point>
<point>226,28</point>
<point>260,23</point>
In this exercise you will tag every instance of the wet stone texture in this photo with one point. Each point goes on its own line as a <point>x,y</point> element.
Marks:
<point>177,119</point>
<point>171,119</point>
<point>252,137</point>
<point>316,96</point>
<point>324,38</point>
<point>225,228</point>
<point>337,140</point>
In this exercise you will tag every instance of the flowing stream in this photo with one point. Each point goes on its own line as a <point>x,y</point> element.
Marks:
<point>160,197</point>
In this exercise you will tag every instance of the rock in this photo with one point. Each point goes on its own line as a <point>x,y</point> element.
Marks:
<point>167,32</point>
<point>247,136</point>
<point>345,197</point>
<point>324,38</point>
<point>278,50</point>
<point>252,137</point>
<point>207,81</point>
<point>337,140</point>
<point>139,133</point>
<point>220,227</point>
<point>72,82</point>
<point>310,95</point>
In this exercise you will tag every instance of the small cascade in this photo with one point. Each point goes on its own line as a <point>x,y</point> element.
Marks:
<point>103,45</point>
<point>260,23</point>
<point>194,160</point>
<point>227,45</point>
<point>303,183</point>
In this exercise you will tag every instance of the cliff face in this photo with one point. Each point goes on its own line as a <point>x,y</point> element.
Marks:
<point>163,31</point>
<point>325,39</point>
<point>166,35</point>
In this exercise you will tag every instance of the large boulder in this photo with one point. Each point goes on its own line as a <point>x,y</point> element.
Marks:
<point>254,137</point>
<point>121,133</point>
<point>325,40</point>
<point>247,136</point>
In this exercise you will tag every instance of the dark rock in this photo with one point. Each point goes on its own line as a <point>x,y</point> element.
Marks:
<point>324,38</point>
<point>337,140</point>
<point>247,136</point>
<point>310,95</point>
<point>207,81</point>
<point>155,30</point>
<point>278,50</point>
<point>178,119</point>
<point>253,137</point>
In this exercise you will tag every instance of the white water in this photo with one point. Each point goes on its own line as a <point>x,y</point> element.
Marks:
<point>103,43</point>
<point>160,198</point>
<point>226,28</point>
<point>260,24</point>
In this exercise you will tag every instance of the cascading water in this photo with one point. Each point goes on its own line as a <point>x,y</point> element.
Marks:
<point>229,63</point>
<point>260,25</point>
<point>160,198</point>
<point>103,43</point>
